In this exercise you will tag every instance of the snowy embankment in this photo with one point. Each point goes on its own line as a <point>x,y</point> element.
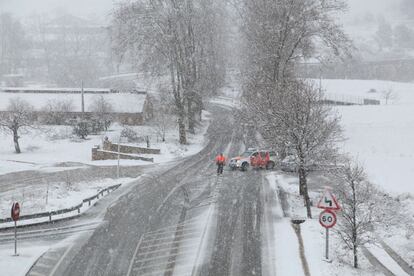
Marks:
<point>42,197</point>
<point>281,255</point>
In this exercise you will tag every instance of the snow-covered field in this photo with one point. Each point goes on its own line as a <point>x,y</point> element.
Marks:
<point>44,149</point>
<point>41,197</point>
<point>381,137</point>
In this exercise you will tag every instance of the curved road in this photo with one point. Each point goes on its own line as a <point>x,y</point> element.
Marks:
<point>120,246</point>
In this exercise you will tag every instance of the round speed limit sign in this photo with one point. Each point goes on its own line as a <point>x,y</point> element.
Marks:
<point>327,219</point>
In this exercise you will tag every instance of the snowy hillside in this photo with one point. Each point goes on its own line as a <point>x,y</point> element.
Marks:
<point>381,137</point>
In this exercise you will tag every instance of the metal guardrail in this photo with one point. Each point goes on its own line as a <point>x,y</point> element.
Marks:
<point>66,210</point>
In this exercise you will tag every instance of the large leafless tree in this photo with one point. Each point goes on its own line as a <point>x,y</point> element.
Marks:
<point>18,116</point>
<point>289,112</point>
<point>169,38</point>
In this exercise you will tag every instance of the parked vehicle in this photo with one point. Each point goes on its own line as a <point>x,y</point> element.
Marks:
<point>256,158</point>
<point>290,164</point>
<point>263,159</point>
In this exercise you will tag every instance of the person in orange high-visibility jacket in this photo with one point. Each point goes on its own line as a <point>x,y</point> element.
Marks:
<point>220,162</point>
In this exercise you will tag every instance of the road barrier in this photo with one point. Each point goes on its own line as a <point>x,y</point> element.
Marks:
<point>66,210</point>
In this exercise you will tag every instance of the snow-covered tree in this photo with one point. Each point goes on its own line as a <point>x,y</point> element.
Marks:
<point>18,116</point>
<point>172,38</point>
<point>279,33</point>
<point>358,199</point>
<point>289,112</point>
<point>296,118</point>
<point>102,110</point>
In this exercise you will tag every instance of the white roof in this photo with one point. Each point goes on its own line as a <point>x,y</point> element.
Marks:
<point>121,102</point>
<point>54,89</point>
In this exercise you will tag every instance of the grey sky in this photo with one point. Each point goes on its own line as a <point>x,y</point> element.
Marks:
<point>23,8</point>
<point>388,8</point>
<point>103,7</point>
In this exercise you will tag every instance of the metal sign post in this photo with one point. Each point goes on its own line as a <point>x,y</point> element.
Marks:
<point>327,219</point>
<point>15,214</point>
<point>327,244</point>
<point>15,238</point>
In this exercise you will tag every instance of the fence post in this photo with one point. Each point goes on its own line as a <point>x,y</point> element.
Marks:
<point>50,217</point>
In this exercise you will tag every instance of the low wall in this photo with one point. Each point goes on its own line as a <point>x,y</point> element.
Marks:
<point>98,154</point>
<point>371,102</point>
<point>108,146</point>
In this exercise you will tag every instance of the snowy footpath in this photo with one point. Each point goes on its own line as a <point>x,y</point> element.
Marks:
<point>289,250</point>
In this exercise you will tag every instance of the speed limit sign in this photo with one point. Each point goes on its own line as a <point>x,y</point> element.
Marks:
<point>327,219</point>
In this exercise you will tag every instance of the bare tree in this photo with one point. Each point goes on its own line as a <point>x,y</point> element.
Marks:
<point>172,38</point>
<point>297,119</point>
<point>289,112</point>
<point>279,33</point>
<point>358,199</point>
<point>103,110</point>
<point>389,95</point>
<point>56,111</point>
<point>18,116</point>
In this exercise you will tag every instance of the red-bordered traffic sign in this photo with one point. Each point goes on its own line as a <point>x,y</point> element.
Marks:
<point>328,201</point>
<point>15,211</point>
<point>327,219</point>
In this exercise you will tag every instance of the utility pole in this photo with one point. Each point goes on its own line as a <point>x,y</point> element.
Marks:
<point>83,100</point>
<point>119,157</point>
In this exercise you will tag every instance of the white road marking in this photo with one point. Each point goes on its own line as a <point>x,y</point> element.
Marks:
<point>34,273</point>
<point>43,265</point>
<point>55,268</point>
<point>133,256</point>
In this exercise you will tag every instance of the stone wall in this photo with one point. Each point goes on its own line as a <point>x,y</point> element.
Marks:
<point>98,154</point>
<point>108,146</point>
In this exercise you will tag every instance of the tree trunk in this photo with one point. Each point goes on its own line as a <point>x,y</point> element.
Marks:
<point>191,114</point>
<point>16,141</point>
<point>302,179</point>
<point>303,189</point>
<point>355,256</point>
<point>181,130</point>
<point>354,224</point>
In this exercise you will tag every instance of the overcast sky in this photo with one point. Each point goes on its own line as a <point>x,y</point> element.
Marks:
<point>103,7</point>
<point>76,7</point>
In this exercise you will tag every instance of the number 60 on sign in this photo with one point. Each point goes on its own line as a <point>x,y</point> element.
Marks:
<point>327,219</point>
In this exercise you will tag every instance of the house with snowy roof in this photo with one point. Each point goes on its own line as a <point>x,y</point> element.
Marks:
<point>131,108</point>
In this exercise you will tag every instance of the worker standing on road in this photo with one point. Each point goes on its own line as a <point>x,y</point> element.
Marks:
<point>220,162</point>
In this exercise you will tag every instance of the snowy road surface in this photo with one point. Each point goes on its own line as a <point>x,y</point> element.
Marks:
<point>169,217</point>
